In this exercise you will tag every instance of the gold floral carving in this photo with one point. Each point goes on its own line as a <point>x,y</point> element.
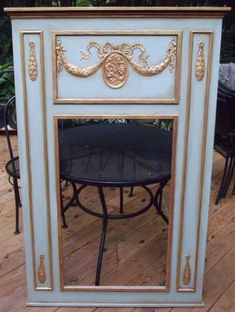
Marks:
<point>187,271</point>
<point>33,67</point>
<point>114,62</point>
<point>200,65</point>
<point>42,271</point>
<point>115,70</point>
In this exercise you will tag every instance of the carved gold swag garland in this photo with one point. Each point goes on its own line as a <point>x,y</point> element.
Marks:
<point>114,60</point>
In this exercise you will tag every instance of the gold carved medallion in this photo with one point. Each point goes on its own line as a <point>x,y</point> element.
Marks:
<point>42,271</point>
<point>200,65</point>
<point>187,271</point>
<point>115,70</point>
<point>114,61</point>
<point>33,67</point>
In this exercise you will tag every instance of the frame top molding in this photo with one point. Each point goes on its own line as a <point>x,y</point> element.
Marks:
<point>116,12</point>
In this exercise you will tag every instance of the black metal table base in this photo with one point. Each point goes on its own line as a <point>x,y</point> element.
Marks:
<point>229,169</point>
<point>155,200</point>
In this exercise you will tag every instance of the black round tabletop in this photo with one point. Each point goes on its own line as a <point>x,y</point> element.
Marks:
<point>115,154</point>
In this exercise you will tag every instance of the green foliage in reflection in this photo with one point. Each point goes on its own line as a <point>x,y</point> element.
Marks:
<point>7,89</point>
<point>6,69</point>
<point>165,124</point>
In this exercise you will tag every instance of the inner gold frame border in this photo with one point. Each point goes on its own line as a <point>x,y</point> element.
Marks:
<point>171,209</point>
<point>191,71</point>
<point>118,32</point>
<point>28,157</point>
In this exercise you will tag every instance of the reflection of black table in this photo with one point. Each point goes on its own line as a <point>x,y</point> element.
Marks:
<point>116,155</point>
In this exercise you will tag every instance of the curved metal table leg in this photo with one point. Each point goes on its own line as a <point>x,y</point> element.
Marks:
<point>121,200</point>
<point>17,205</point>
<point>233,191</point>
<point>105,216</point>
<point>131,194</point>
<point>229,176</point>
<point>158,201</point>
<point>70,203</point>
<point>103,236</point>
<point>221,189</point>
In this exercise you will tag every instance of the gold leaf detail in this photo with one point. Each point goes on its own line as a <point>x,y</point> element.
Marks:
<point>42,271</point>
<point>187,272</point>
<point>200,65</point>
<point>33,67</point>
<point>157,69</point>
<point>115,70</point>
<point>77,71</point>
<point>115,59</point>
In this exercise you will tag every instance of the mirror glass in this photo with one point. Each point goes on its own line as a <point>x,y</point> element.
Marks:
<point>115,188</point>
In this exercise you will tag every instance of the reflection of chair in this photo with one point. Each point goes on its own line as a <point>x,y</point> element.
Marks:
<point>225,137</point>
<point>12,166</point>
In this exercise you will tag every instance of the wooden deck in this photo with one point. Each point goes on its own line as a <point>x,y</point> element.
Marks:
<point>219,294</point>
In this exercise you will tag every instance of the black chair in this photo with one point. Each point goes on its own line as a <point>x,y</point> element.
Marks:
<point>12,166</point>
<point>225,137</point>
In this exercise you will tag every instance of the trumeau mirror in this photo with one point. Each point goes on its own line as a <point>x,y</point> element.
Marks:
<point>115,194</point>
<point>113,216</point>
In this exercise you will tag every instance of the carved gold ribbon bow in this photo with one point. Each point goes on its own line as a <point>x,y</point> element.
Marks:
<point>114,60</point>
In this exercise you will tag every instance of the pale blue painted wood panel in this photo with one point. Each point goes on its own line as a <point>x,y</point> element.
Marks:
<point>116,298</point>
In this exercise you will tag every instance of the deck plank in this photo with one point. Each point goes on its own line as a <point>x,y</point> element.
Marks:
<point>218,297</point>
<point>226,302</point>
<point>217,280</point>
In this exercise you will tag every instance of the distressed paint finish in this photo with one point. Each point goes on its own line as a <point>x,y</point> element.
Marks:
<point>196,106</point>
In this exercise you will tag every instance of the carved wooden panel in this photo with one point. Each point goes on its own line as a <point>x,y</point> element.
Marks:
<point>122,67</point>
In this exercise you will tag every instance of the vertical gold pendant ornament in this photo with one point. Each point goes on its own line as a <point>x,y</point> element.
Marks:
<point>33,67</point>
<point>42,271</point>
<point>187,271</point>
<point>200,65</point>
